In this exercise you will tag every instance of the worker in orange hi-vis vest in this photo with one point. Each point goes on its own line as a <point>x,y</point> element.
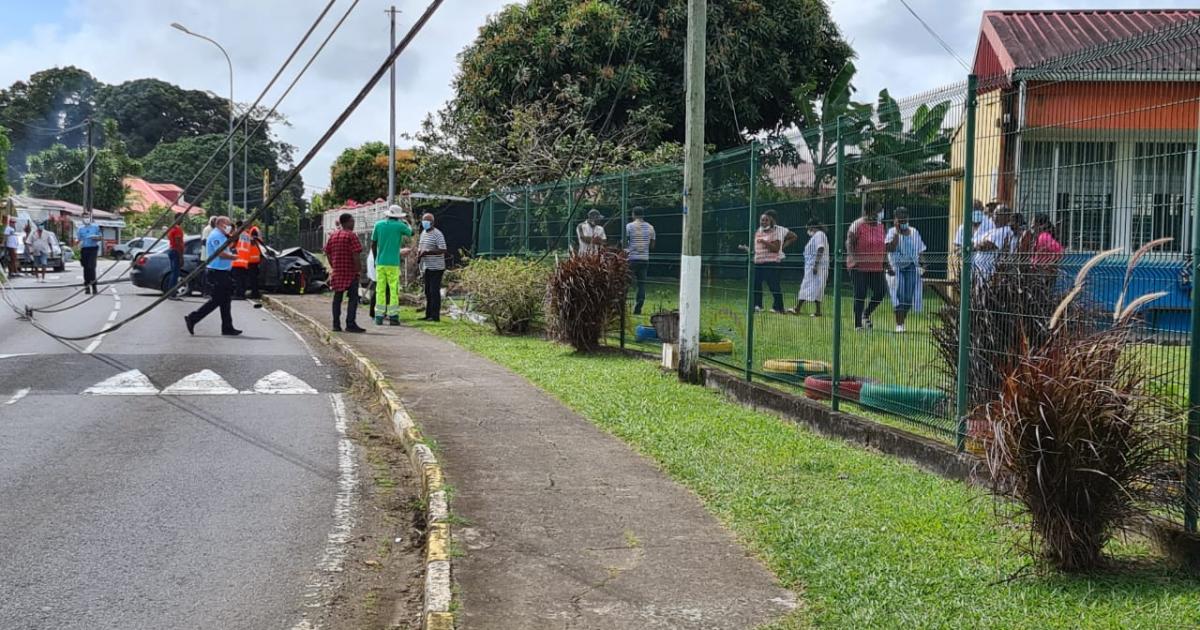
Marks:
<point>253,259</point>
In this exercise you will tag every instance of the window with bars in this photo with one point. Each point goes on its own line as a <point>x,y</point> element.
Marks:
<point>1075,183</point>
<point>1161,187</point>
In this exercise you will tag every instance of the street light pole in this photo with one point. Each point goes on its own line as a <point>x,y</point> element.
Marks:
<point>180,27</point>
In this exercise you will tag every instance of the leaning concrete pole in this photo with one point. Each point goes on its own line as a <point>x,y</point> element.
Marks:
<point>693,195</point>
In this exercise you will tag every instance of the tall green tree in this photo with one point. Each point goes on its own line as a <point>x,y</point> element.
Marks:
<point>627,57</point>
<point>150,112</point>
<point>819,118</point>
<point>45,111</point>
<point>53,173</point>
<point>5,147</point>
<point>900,145</point>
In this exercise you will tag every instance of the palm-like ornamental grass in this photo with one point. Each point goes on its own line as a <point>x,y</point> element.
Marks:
<point>584,297</point>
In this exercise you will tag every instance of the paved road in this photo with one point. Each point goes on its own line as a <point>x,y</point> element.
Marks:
<point>161,511</point>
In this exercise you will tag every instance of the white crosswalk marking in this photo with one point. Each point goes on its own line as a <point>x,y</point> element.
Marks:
<point>131,383</point>
<point>280,382</point>
<point>204,382</point>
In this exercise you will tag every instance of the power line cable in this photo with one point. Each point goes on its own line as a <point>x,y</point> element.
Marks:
<point>933,33</point>
<point>312,153</point>
<point>73,180</point>
<point>157,224</point>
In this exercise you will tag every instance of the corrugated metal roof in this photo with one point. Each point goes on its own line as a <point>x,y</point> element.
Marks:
<point>1121,39</point>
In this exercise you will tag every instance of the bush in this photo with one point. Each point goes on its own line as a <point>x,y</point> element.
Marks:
<point>510,291</point>
<point>585,295</point>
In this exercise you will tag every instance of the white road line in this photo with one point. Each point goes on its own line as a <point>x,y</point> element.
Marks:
<point>91,347</point>
<point>204,382</point>
<point>131,383</point>
<point>280,382</point>
<point>21,393</point>
<point>15,355</point>
<point>303,341</point>
<point>112,317</point>
<point>318,589</point>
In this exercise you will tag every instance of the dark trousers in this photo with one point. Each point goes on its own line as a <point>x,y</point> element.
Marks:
<point>769,273</point>
<point>433,294</point>
<point>176,261</point>
<point>639,269</point>
<point>87,257</point>
<point>351,294</point>
<point>250,281</point>
<point>864,281</point>
<point>220,291</point>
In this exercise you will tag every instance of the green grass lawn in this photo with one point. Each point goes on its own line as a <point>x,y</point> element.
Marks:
<point>865,540</point>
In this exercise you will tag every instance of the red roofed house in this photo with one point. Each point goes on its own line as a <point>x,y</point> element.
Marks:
<point>1090,117</point>
<point>143,195</point>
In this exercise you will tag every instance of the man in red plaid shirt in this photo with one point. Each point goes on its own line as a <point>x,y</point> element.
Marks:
<point>343,249</point>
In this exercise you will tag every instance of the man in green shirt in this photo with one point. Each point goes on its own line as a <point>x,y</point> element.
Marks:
<point>385,245</point>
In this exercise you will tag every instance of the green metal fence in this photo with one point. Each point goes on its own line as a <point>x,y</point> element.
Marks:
<point>1095,151</point>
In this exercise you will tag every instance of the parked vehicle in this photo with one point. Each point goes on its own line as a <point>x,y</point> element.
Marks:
<point>293,270</point>
<point>134,246</point>
<point>59,255</point>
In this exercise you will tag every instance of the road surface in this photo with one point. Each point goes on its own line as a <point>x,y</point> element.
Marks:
<point>139,491</point>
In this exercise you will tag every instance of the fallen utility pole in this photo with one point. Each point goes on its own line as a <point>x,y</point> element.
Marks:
<point>693,194</point>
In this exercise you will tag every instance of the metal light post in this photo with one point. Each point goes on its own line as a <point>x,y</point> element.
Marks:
<point>180,27</point>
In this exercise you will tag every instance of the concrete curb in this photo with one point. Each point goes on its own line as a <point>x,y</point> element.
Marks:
<point>437,613</point>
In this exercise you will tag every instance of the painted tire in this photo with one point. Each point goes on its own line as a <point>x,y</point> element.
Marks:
<point>820,387</point>
<point>795,367</point>
<point>901,400</point>
<point>716,347</point>
<point>646,334</point>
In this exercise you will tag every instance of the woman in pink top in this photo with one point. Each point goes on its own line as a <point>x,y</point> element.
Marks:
<point>1046,249</point>
<point>769,242</point>
<point>866,259</point>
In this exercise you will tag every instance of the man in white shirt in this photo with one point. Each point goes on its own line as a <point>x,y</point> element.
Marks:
<point>990,244</point>
<point>591,234</point>
<point>11,243</point>
<point>38,246</point>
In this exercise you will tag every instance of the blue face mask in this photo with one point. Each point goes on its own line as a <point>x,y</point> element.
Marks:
<point>904,224</point>
<point>427,224</point>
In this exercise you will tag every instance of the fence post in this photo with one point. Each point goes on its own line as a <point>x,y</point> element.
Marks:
<point>964,275</point>
<point>474,227</point>
<point>525,222</point>
<point>1191,492</point>
<point>750,261</point>
<point>839,246</point>
<point>624,220</point>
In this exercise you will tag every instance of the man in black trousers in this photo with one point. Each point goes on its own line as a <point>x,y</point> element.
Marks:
<point>220,281</point>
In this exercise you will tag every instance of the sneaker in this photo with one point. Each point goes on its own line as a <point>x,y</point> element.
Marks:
<point>191,326</point>
<point>355,329</point>
<point>379,320</point>
<point>899,328</point>
<point>867,324</point>
<point>757,309</point>
<point>393,321</point>
<point>231,332</point>
<point>337,328</point>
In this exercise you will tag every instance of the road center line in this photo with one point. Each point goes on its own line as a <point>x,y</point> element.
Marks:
<point>21,393</point>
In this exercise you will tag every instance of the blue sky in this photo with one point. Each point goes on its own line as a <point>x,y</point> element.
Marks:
<point>22,15</point>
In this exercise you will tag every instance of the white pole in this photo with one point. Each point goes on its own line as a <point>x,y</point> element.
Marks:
<point>693,195</point>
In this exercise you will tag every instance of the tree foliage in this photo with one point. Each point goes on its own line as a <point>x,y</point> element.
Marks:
<point>150,112</point>
<point>44,111</point>
<point>49,171</point>
<point>5,147</point>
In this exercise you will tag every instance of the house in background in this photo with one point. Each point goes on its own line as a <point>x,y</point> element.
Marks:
<point>65,218</point>
<point>1090,117</point>
<point>143,195</point>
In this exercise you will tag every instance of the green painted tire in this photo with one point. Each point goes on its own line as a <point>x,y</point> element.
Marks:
<point>901,400</point>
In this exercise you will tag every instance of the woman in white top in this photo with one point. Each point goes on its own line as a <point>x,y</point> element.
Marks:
<point>816,269</point>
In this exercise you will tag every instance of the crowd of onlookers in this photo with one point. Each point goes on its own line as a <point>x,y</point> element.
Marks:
<point>883,260</point>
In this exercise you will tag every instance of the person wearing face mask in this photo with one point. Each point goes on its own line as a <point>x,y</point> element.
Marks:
<point>866,259</point>
<point>591,234</point>
<point>769,242</point>
<point>220,281</point>
<point>816,269</point>
<point>431,252</point>
<point>905,249</point>
<point>89,250</point>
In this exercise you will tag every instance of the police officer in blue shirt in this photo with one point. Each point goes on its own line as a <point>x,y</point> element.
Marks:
<point>220,281</point>
<point>89,249</point>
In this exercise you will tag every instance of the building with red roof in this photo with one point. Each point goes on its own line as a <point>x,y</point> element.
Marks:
<point>1088,116</point>
<point>144,195</point>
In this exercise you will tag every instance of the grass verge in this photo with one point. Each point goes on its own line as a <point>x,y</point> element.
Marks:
<point>868,542</point>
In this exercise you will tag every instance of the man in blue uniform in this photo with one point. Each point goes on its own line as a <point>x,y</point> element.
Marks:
<point>220,281</point>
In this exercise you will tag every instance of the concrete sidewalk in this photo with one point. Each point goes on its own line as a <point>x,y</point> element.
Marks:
<point>566,526</point>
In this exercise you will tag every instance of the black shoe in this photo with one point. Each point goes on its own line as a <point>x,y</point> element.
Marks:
<point>355,329</point>
<point>394,321</point>
<point>231,332</point>
<point>95,291</point>
<point>87,290</point>
<point>191,326</point>
<point>337,328</point>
